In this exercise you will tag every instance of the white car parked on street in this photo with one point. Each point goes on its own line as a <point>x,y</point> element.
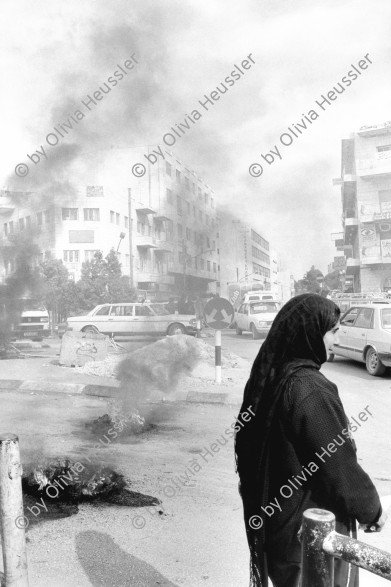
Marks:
<point>365,336</point>
<point>132,318</point>
<point>257,317</point>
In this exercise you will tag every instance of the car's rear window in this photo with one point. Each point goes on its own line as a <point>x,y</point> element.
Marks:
<point>263,308</point>
<point>386,318</point>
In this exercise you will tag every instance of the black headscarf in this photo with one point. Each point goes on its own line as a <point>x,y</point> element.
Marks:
<point>295,340</point>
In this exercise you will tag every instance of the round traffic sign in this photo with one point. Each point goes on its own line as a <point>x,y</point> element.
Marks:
<point>219,313</point>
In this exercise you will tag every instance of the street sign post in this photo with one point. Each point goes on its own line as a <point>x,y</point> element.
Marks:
<point>219,314</point>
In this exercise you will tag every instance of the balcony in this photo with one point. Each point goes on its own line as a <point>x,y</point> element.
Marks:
<point>378,166</point>
<point>164,246</point>
<point>146,241</point>
<point>143,209</point>
<point>147,276</point>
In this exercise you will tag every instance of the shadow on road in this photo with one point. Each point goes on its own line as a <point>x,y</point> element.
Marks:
<point>105,563</point>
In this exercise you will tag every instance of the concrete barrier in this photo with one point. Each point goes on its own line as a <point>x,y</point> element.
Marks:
<point>79,348</point>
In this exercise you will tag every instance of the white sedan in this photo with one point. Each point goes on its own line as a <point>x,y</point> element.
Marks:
<point>365,336</point>
<point>132,318</point>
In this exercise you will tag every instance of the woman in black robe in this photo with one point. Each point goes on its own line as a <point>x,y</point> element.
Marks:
<point>284,458</point>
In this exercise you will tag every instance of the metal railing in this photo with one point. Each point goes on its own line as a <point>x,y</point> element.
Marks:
<point>321,544</point>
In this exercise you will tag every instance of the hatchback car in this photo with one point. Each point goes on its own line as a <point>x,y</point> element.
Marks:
<point>132,318</point>
<point>365,336</point>
<point>257,317</point>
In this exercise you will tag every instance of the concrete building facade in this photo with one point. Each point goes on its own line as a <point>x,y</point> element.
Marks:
<point>163,224</point>
<point>366,208</point>
<point>245,255</point>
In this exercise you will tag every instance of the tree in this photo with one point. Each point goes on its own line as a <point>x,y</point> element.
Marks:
<point>60,294</point>
<point>333,280</point>
<point>102,281</point>
<point>311,282</point>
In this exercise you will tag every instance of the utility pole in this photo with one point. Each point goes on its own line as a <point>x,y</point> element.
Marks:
<point>131,283</point>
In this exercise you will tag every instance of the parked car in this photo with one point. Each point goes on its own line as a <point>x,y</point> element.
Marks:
<point>132,318</point>
<point>365,336</point>
<point>33,322</point>
<point>257,317</point>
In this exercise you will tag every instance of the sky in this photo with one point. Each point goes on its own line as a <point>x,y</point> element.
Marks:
<point>53,54</point>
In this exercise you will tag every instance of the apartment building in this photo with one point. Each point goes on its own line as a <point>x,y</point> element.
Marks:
<point>163,225</point>
<point>366,208</point>
<point>244,255</point>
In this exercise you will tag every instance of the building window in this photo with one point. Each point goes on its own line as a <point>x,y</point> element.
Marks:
<point>5,229</point>
<point>384,148</point>
<point>21,223</point>
<point>11,226</point>
<point>112,214</point>
<point>71,256</point>
<point>179,205</point>
<point>126,220</point>
<point>259,270</point>
<point>188,234</point>
<point>193,188</point>
<point>91,214</point>
<point>214,245</point>
<point>39,218</point>
<point>179,230</point>
<point>208,242</point>
<point>259,240</point>
<point>260,255</point>
<point>169,196</point>
<point>117,219</point>
<point>187,183</point>
<point>208,265</point>
<point>178,175</point>
<point>168,169</point>
<point>70,213</point>
<point>214,268</point>
<point>202,263</point>
<point>89,255</point>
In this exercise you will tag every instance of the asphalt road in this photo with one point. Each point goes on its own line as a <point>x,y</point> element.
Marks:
<point>198,539</point>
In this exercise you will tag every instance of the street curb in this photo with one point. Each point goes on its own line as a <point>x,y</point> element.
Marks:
<point>53,387</point>
<point>207,397</point>
<point>28,386</point>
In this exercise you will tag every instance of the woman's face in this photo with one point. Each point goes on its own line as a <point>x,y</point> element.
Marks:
<point>331,337</point>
